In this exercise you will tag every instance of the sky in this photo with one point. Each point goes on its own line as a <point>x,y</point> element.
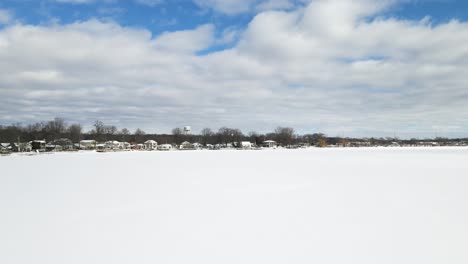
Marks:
<point>356,68</point>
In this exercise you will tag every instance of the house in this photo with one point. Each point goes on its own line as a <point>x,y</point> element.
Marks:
<point>101,148</point>
<point>151,145</point>
<point>38,145</point>
<point>246,145</point>
<point>165,147</point>
<point>186,145</point>
<point>21,147</point>
<point>140,146</point>
<point>428,144</point>
<point>269,144</point>
<point>210,146</point>
<point>5,148</point>
<point>62,144</point>
<point>197,145</point>
<point>113,145</point>
<point>53,147</point>
<point>126,145</point>
<point>87,144</point>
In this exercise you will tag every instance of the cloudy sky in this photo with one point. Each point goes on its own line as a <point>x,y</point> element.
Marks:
<point>342,67</point>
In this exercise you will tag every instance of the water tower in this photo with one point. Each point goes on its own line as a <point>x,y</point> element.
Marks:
<point>187,130</point>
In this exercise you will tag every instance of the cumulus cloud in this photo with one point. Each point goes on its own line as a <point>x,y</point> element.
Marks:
<point>351,73</point>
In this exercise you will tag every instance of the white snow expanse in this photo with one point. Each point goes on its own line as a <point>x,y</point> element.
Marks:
<point>363,206</point>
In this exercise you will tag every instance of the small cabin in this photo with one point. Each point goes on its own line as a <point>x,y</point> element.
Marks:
<point>270,144</point>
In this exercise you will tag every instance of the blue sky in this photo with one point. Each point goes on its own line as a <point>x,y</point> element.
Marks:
<point>252,64</point>
<point>171,15</point>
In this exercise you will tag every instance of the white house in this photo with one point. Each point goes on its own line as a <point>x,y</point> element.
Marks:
<point>165,147</point>
<point>22,147</point>
<point>246,145</point>
<point>5,147</point>
<point>197,145</point>
<point>87,144</point>
<point>269,144</point>
<point>125,145</point>
<point>186,145</point>
<point>101,148</point>
<point>113,145</point>
<point>151,145</point>
<point>210,146</point>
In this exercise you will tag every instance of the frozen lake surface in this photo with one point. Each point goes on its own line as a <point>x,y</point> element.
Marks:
<point>340,206</point>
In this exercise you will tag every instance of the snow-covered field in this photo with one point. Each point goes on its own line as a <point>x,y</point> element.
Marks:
<point>340,206</point>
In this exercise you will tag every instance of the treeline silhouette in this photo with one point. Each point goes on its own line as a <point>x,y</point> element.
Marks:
<point>59,128</point>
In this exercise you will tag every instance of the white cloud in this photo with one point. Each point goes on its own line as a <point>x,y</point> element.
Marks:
<point>5,16</point>
<point>187,40</point>
<point>309,68</point>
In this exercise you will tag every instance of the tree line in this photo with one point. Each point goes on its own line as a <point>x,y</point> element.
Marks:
<point>58,128</point>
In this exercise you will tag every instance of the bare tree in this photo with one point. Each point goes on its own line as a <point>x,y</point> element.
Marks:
<point>256,138</point>
<point>139,135</point>
<point>99,130</point>
<point>206,134</point>
<point>178,135</point>
<point>74,132</point>
<point>284,135</point>
<point>229,135</point>
<point>54,129</point>
<point>124,134</point>
<point>110,131</point>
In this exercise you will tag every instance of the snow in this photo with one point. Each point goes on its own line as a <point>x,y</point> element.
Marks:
<point>366,206</point>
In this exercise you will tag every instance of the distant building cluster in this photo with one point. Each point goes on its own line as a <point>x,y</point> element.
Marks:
<point>65,144</point>
<point>56,136</point>
<point>111,146</point>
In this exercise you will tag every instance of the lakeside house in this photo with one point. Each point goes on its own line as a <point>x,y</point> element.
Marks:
<point>186,146</point>
<point>62,144</point>
<point>246,145</point>
<point>125,145</point>
<point>197,145</point>
<point>87,144</point>
<point>113,145</point>
<point>38,145</point>
<point>151,145</point>
<point>270,144</point>
<point>165,147</point>
<point>5,148</point>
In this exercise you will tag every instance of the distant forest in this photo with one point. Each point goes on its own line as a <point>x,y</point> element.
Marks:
<point>59,128</point>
